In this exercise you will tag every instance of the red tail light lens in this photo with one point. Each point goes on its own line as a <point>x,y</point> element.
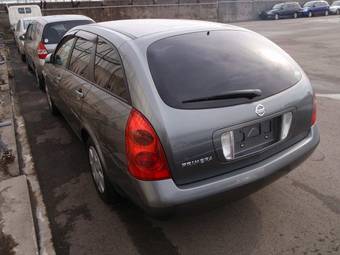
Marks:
<point>42,51</point>
<point>314,111</point>
<point>145,154</point>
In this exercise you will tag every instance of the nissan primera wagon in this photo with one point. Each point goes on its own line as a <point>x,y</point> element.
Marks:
<point>176,111</point>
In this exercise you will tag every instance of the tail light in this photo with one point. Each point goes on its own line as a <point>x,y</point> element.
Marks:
<point>145,154</point>
<point>314,111</point>
<point>42,51</point>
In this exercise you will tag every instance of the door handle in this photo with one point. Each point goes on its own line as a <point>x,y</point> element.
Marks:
<point>79,93</point>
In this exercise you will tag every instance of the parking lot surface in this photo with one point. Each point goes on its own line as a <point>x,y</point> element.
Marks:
<point>298,214</point>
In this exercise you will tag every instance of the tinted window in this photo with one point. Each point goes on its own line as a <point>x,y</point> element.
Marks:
<point>62,53</point>
<point>308,4</point>
<point>278,6</point>
<point>81,56</point>
<point>53,32</point>
<point>108,70</point>
<point>205,64</point>
<point>28,10</point>
<point>21,10</point>
<point>29,32</point>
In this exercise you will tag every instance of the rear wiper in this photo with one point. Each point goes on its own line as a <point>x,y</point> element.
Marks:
<point>245,93</point>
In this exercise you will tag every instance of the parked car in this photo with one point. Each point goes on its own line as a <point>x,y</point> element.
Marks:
<point>283,10</point>
<point>16,12</point>
<point>313,8</point>
<point>20,30</point>
<point>335,8</point>
<point>170,119</point>
<point>43,35</point>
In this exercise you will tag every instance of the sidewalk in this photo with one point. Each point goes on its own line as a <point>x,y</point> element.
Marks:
<point>20,228</point>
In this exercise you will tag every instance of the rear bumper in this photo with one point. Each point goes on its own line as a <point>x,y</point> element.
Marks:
<point>165,194</point>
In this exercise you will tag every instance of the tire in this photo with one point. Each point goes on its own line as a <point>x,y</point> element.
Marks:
<point>276,17</point>
<point>326,13</point>
<point>23,57</point>
<point>28,66</point>
<point>53,109</point>
<point>295,15</point>
<point>310,14</point>
<point>104,188</point>
<point>337,12</point>
<point>39,81</point>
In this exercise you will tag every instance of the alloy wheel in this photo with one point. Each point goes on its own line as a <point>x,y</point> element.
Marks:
<point>96,169</point>
<point>49,100</point>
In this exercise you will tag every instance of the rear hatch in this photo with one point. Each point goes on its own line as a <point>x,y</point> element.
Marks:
<point>230,101</point>
<point>54,31</point>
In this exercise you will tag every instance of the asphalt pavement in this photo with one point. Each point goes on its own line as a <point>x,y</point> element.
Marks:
<point>298,214</point>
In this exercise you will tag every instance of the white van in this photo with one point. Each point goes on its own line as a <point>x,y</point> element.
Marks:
<point>17,12</point>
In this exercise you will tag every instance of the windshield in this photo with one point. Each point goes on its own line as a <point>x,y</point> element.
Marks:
<point>53,32</point>
<point>336,3</point>
<point>308,4</point>
<point>277,6</point>
<point>215,63</point>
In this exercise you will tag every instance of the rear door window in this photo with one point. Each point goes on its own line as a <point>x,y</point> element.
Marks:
<point>211,64</point>
<point>53,32</point>
<point>108,71</point>
<point>81,56</point>
<point>21,10</point>
<point>28,10</point>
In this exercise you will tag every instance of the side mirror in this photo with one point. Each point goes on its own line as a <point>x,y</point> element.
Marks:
<point>48,59</point>
<point>22,37</point>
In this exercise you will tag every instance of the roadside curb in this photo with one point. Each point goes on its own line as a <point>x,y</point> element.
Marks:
<point>22,178</point>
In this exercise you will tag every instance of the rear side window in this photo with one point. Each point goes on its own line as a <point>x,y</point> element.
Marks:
<point>63,51</point>
<point>53,32</point>
<point>212,64</point>
<point>108,71</point>
<point>80,58</point>
<point>28,10</point>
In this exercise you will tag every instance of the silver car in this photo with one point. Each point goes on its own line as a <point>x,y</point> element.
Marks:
<point>43,35</point>
<point>175,111</point>
<point>19,32</point>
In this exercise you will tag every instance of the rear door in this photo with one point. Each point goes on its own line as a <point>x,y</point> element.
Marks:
<point>107,106</point>
<point>75,82</point>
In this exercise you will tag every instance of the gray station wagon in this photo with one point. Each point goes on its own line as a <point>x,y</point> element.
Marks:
<point>176,111</point>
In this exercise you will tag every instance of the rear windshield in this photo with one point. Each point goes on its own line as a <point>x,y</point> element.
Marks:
<point>26,23</point>
<point>215,63</point>
<point>53,32</point>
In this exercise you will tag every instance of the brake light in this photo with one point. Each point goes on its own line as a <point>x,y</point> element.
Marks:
<point>144,151</point>
<point>42,51</point>
<point>314,111</point>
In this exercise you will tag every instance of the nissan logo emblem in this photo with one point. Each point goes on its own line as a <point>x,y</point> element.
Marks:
<point>260,111</point>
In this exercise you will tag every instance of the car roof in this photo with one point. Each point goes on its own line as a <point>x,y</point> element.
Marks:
<point>135,28</point>
<point>30,18</point>
<point>23,6</point>
<point>57,18</point>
